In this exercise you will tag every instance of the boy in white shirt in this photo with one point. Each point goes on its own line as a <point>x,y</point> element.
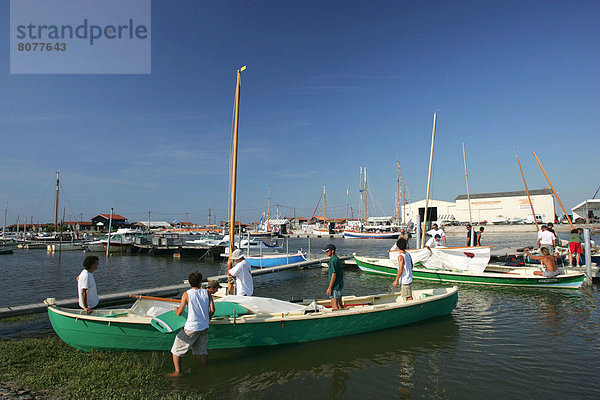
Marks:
<point>86,285</point>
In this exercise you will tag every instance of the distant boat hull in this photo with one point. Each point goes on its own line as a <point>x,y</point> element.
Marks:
<point>371,235</point>
<point>385,267</point>
<point>273,260</point>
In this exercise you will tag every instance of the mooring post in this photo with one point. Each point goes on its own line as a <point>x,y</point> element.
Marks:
<point>588,256</point>
<point>308,254</point>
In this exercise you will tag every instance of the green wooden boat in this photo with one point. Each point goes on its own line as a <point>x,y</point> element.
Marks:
<point>238,325</point>
<point>517,277</point>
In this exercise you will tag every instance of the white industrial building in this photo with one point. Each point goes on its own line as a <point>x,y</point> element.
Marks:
<point>488,206</point>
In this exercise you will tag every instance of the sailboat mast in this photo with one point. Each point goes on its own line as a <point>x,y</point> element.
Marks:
<point>428,181</point>
<point>5,213</point>
<point>269,207</point>
<point>366,191</point>
<point>56,202</point>
<point>323,204</point>
<point>398,193</point>
<point>527,191</point>
<point>347,198</point>
<point>361,193</point>
<point>467,179</point>
<point>234,166</point>
<point>555,194</point>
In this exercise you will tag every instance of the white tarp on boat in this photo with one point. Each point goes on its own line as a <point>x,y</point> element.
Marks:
<point>467,259</point>
<point>262,305</point>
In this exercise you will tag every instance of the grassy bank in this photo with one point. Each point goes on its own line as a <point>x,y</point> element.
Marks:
<point>52,369</point>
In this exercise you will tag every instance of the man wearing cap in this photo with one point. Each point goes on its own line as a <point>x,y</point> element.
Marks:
<point>240,268</point>
<point>336,278</point>
<point>437,231</point>
<point>468,235</point>
<point>546,239</point>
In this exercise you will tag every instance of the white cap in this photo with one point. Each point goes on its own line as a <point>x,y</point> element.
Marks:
<point>237,254</point>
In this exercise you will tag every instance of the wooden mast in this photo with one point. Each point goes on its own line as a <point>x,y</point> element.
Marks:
<point>554,191</point>
<point>234,171</point>
<point>527,191</point>
<point>428,181</point>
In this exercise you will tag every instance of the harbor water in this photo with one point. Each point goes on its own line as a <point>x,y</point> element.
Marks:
<point>498,343</point>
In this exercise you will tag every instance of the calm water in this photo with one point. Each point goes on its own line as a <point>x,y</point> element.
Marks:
<point>498,343</point>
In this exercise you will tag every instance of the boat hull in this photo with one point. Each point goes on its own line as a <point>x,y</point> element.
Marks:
<point>274,261</point>
<point>108,334</point>
<point>373,235</point>
<point>568,281</point>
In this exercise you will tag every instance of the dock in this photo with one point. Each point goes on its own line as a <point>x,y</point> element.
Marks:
<point>163,291</point>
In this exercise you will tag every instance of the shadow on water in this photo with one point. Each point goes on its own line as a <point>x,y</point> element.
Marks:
<point>325,369</point>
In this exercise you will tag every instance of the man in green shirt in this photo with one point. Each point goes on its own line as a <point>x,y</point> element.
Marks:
<point>336,278</point>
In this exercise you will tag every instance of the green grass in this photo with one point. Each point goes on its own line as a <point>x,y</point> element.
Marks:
<point>50,367</point>
<point>20,318</point>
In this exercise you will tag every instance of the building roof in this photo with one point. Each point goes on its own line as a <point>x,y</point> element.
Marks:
<point>589,205</point>
<point>107,216</point>
<point>153,224</point>
<point>517,193</point>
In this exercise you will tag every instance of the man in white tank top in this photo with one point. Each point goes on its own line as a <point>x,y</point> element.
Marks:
<point>200,306</point>
<point>404,275</point>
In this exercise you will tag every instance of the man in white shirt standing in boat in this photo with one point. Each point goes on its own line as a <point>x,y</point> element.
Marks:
<point>546,239</point>
<point>86,285</point>
<point>240,268</point>
<point>437,231</point>
<point>404,275</point>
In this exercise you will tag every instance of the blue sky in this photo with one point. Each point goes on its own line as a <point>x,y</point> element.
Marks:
<point>330,86</point>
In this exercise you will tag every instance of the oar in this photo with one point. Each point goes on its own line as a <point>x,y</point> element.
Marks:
<point>135,296</point>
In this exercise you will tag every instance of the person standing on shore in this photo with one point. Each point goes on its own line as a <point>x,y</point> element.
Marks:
<point>336,278</point>
<point>437,231</point>
<point>86,285</point>
<point>194,334</point>
<point>404,274</point>
<point>478,236</point>
<point>469,235</point>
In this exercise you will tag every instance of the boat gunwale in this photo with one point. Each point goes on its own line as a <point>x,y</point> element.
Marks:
<point>278,317</point>
<point>483,274</point>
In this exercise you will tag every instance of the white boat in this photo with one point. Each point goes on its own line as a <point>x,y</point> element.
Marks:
<point>121,240</point>
<point>370,235</point>
<point>498,220</point>
<point>253,247</point>
<point>515,220</point>
<point>54,247</point>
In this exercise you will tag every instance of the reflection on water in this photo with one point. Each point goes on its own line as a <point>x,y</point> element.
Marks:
<point>499,342</point>
<point>366,365</point>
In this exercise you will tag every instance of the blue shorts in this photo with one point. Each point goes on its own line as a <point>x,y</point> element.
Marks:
<point>336,294</point>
